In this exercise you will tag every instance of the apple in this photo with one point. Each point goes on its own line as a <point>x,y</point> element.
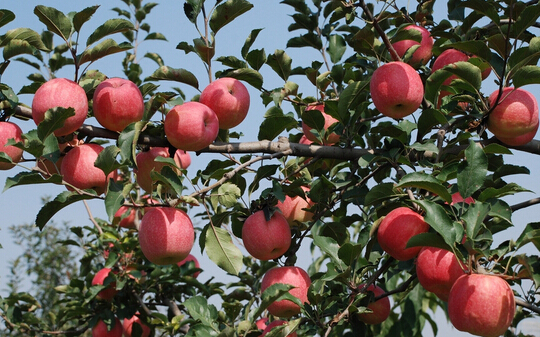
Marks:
<point>229,99</point>
<point>380,308</point>
<point>397,228</point>
<point>9,130</point>
<point>421,55</point>
<point>108,293</point>
<point>146,164</point>
<point>294,276</point>
<point>261,323</point>
<point>437,270</point>
<point>49,168</point>
<point>191,126</point>
<point>515,115</point>
<point>78,168</point>
<point>61,92</point>
<point>396,89</point>
<point>519,140</point>
<point>481,304</point>
<point>275,323</point>
<point>166,235</point>
<point>266,239</point>
<point>330,139</point>
<point>100,329</point>
<point>293,208</point>
<point>128,325</point>
<point>191,258</point>
<point>117,103</point>
<point>127,221</point>
<point>457,198</point>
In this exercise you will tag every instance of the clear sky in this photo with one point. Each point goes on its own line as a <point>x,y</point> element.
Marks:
<point>21,204</point>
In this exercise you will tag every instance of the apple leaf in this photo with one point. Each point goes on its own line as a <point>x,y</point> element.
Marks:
<point>166,73</point>
<point>106,159</point>
<point>29,178</point>
<point>439,220</point>
<point>192,9</point>
<point>24,34</point>
<point>274,123</point>
<point>6,17</point>
<point>199,309</point>
<point>472,171</point>
<point>256,58</point>
<point>228,194</point>
<point>221,249</point>
<point>127,142</point>
<point>114,198</point>
<point>111,26</point>
<point>62,200</point>
<point>54,119</point>
<point>508,189</point>
<point>249,42</point>
<point>526,75</point>
<point>104,48</point>
<point>475,47</point>
<point>280,62</point>
<point>327,245</point>
<point>264,171</point>
<point>427,182</point>
<point>428,240</point>
<point>474,218</point>
<point>380,193</point>
<point>526,19</point>
<point>530,234</point>
<point>407,34</point>
<point>483,7</point>
<point>350,252</point>
<point>336,47</point>
<point>5,158</point>
<point>55,21</point>
<point>352,96</point>
<point>253,77</point>
<point>82,17</point>
<point>226,12</point>
<point>169,178</point>
<point>271,295</point>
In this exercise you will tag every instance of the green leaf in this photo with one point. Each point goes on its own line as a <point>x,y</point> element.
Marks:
<point>80,18</point>
<point>54,119</point>
<point>227,12</point>
<point>17,47</point>
<point>484,7</point>
<point>429,240</point>
<point>427,182</point>
<point>228,194</point>
<point>380,193</point>
<point>269,296</point>
<point>251,76</point>
<point>114,198</point>
<point>222,251</point>
<point>249,42</point>
<point>167,73</point>
<point>6,17</point>
<point>475,47</point>
<point>531,233</point>
<point>30,178</point>
<point>280,62</point>
<point>192,9</point>
<point>327,245</point>
<point>52,207</point>
<point>350,98</point>
<point>106,159</point>
<point>24,34</point>
<point>199,309</point>
<point>305,40</point>
<point>439,220</point>
<point>104,48</point>
<point>256,58</point>
<point>55,21</point>
<point>526,19</point>
<point>111,26</point>
<point>275,123</point>
<point>472,171</point>
<point>474,218</point>
<point>168,176</point>
<point>263,172</point>
<point>155,36</point>
<point>127,142</point>
<point>526,75</point>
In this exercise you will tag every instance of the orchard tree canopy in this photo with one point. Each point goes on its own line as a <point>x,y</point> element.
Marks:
<point>382,150</point>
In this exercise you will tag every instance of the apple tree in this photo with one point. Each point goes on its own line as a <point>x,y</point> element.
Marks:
<point>383,153</point>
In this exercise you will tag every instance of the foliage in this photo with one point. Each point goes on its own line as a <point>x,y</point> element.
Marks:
<point>379,164</point>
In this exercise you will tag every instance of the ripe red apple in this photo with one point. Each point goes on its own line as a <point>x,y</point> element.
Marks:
<point>481,304</point>
<point>396,89</point>
<point>61,92</point>
<point>421,55</point>
<point>100,329</point>
<point>294,208</point>
<point>397,228</point>
<point>275,323</point>
<point>294,276</point>
<point>380,308</point>
<point>520,140</point>
<point>166,235</point>
<point>9,131</point>
<point>78,168</point>
<point>135,320</point>
<point>266,240</point>
<point>108,293</point>
<point>229,99</point>
<point>457,198</point>
<point>192,258</point>
<point>191,126</point>
<point>127,221</point>
<point>146,164</point>
<point>261,323</point>
<point>117,103</point>
<point>515,115</point>
<point>330,139</point>
<point>437,270</point>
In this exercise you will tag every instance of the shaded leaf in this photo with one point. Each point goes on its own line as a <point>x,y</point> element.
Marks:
<point>439,220</point>
<point>55,21</point>
<point>249,42</point>
<point>472,171</point>
<point>427,182</point>
<point>171,74</point>
<point>226,12</point>
<point>280,62</point>
<point>83,16</point>
<point>526,75</point>
<point>104,48</point>
<point>52,207</point>
<point>53,120</point>
<point>111,26</point>
<point>253,77</point>
<point>6,17</point>
<point>29,178</point>
<point>24,34</point>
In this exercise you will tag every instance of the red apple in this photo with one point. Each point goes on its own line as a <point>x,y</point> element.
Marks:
<point>108,293</point>
<point>117,103</point>
<point>396,89</point>
<point>193,259</point>
<point>519,140</point>
<point>380,308</point>
<point>481,304</point>
<point>294,276</point>
<point>397,228</point>
<point>275,323</point>
<point>266,240</point>
<point>421,55</point>
<point>191,126</point>
<point>229,99</point>
<point>146,164</point>
<point>457,198</point>
<point>78,168</point>
<point>61,92</point>
<point>127,221</point>
<point>128,325</point>
<point>48,167</point>
<point>437,270</point>
<point>330,139</point>
<point>515,115</point>
<point>100,329</point>
<point>166,235</point>
<point>294,208</point>
<point>261,323</point>
<point>9,131</point>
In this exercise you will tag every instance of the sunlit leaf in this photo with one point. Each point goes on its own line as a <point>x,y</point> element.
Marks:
<point>222,251</point>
